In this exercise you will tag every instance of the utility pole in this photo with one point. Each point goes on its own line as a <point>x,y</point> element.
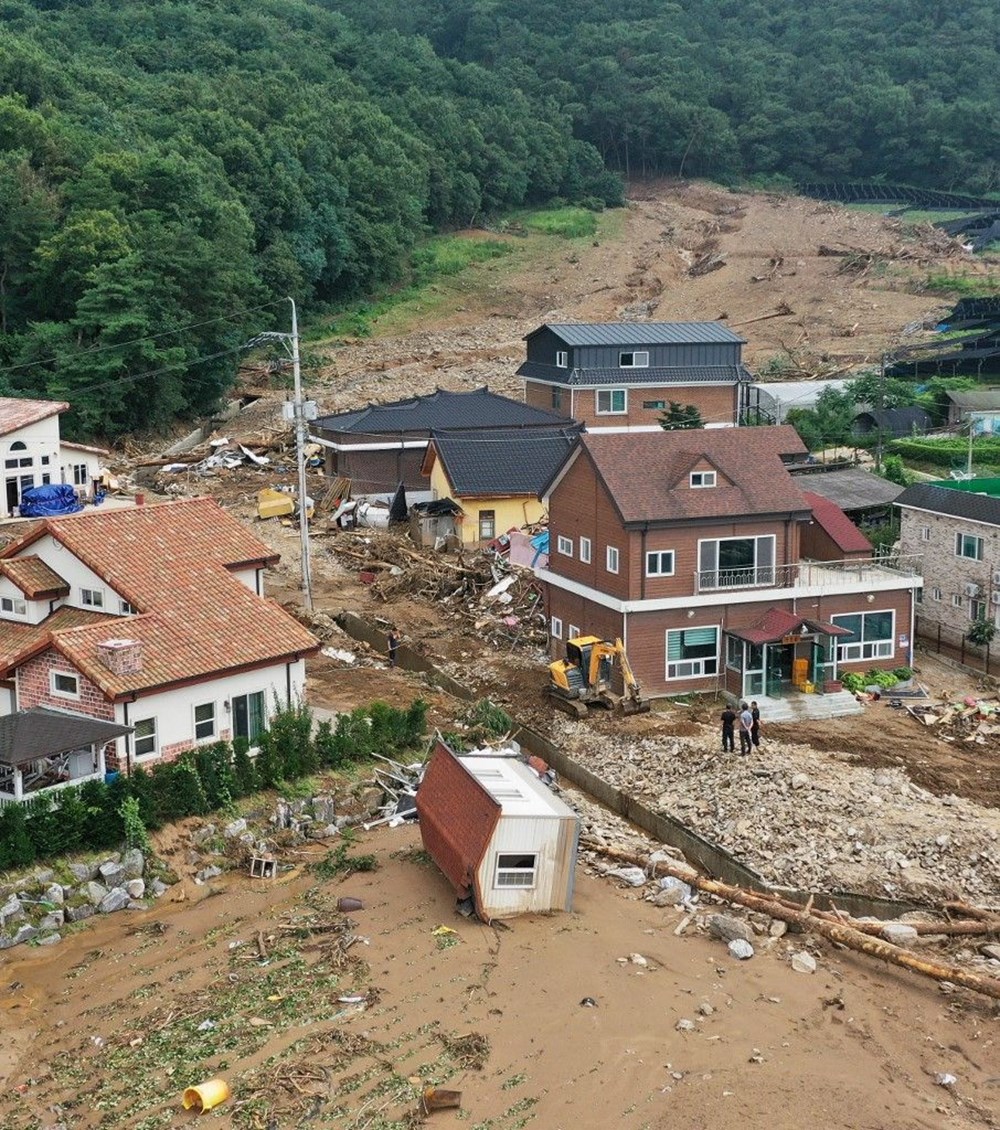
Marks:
<point>300,444</point>
<point>968,462</point>
<point>881,406</point>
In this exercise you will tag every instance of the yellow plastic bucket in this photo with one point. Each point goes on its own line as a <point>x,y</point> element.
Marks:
<point>206,1096</point>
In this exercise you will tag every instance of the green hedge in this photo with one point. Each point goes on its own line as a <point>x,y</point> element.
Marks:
<point>951,452</point>
<point>90,817</point>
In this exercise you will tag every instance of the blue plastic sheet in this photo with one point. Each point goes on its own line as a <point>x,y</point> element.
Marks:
<point>49,502</point>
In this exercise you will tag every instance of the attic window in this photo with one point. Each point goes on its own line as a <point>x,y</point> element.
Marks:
<point>633,360</point>
<point>702,478</point>
<point>516,871</point>
<point>562,359</point>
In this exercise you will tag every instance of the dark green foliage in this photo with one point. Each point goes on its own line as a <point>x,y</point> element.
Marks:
<point>16,846</point>
<point>135,830</point>
<point>950,452</point>
<point>829,424</point>
<point>338,862</point>
<point>679,417</point>
<point>218,777</point>
<point>894,471</point>
<point>243,769</point>
<point>982,632</point>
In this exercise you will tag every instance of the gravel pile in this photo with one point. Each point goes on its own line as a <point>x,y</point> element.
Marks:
<point>806,819</point>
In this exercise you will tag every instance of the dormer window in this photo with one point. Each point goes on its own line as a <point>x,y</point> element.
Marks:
<point>562,358</point>
<point>633,360</point>
<point>13,605</point>
<point>702,478</point>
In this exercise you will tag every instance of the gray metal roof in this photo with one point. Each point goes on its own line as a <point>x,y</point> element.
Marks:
<point>40,732</point>
<point>440,410</point>
<point>671,375</point>
<point>988,398</point>
<point>956,503</point>
<point>851,489</point>
<point>503,462</point>
<point>641,333</point>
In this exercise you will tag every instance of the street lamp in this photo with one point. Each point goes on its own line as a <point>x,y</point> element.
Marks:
<point>291,343</point>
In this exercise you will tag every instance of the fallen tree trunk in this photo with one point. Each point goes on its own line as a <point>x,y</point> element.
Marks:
<point>808,919</point>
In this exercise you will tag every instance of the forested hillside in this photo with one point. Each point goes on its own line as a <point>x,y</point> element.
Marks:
<point>170,167</point>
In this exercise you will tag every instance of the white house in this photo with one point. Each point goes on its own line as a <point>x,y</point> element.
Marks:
<point>501,836</point>
<point>34,455</point>
<point>150,617</point>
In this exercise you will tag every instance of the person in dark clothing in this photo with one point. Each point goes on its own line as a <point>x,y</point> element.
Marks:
<point>729,730</point>
<point>393,643</point>
<point>755,725</point>
<point>746,724</point>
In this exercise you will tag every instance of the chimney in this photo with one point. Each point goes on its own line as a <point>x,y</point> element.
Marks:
<point>123,657</point>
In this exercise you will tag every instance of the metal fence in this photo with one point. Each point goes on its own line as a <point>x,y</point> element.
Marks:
<point>952,644</point>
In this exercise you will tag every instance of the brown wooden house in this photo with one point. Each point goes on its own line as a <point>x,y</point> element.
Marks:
<point>689,546</point>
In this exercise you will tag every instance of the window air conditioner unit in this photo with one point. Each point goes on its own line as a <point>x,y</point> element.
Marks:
<point>996,578</point>
<point>995,598</point>
<point>972,589</point>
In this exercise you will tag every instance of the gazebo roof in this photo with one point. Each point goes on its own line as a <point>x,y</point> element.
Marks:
<point>41,732</point>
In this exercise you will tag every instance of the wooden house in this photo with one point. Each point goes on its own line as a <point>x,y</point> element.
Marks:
<point>499,835</point>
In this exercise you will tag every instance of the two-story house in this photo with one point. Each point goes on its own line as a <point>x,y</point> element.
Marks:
<point>150,617</point>
<point>689,546</point>
<point>34,455</point>
<point>625,375</point>
<point>956,527</point>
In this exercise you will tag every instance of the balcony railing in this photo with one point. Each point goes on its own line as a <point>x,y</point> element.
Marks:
<point>810,574</point>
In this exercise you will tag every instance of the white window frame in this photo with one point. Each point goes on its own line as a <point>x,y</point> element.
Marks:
<point>564,545</point>
<point>127,609</point>
<point>555,627</point>
<point>936,594</point>
<point>610,394</point>
<point>585,550</point>
<point>137,738</point>
<point>639,359</point>
<point>81,475</point>
<point>761,574</point>
<point>925,533</point>
<point>14,605</point>
<point>196,722</point>
<point>978,609</point>
<point>92,598</point>
<point>56,691</point>
<point>699,480</point>
<point>957,600</point>
<point>562,359</point>
<point>612,559</point>
<point>961,541</point>
<point>655,556</point>
<point>696,667</point>
<point>520,877</point>
<point>861,651</point>
<point>573,632</point>
<point>658,405</point>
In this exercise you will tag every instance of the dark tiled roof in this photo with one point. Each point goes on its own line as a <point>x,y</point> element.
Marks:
<point>666,375</point>
<point>641,333</point>
<point>502,462</point>
<point>846,536</point>
<point>898,421</point>
<point>457,818</point>
<point>957,503</point>
<point>41,732</point>
<point>646,472</point>
<point>851,489</point>
<point>441,410</point>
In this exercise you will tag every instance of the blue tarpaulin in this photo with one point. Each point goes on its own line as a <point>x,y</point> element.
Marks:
<point>49,502</point>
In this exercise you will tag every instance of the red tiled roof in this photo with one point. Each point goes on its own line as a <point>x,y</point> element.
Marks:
<point>172,562</point>
<point>19,641</point>
<point>16,413</point>
<point>646,472</point>
<point>779,622</point>
<point>34,578</point>
<point>847,536</point>
<point>457,819</point>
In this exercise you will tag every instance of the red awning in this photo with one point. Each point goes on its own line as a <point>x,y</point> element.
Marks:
<point>776,623</point>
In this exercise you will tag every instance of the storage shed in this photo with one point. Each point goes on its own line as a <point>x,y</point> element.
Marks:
<point>500,835</point>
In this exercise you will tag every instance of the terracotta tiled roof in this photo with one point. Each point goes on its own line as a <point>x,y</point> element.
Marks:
<point>18,641</point>
<point>173,562</point>
<point>34,578</point>
<point>16,413</point>
<point>457,819</point>
<point>646,472</point>
<point>779,622</point>
<point>836,523</point>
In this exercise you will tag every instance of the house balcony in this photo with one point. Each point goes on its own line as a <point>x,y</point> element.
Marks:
<point>816,577</point>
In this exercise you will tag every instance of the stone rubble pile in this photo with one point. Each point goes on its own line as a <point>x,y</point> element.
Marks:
<point>36,908</point>
<point>806,819</point>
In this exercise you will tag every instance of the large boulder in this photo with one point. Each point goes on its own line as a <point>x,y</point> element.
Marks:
<point>136,888</point>
<point>94,892</point>
<point>116,899</point>
<point>54,894</point>
<point>729,929</point>
<point>12,911</point>
<point>79,913</point>
<point>83,872</point>
<point>133,864</point>
<point>112,873</point>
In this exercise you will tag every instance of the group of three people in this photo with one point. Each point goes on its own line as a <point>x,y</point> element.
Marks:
<point>749,724</point>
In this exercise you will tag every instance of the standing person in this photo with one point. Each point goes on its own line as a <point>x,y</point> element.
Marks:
<point>729,730</point>
<point>746,726</point>
<point>393,643</point>
<point>755,726</point>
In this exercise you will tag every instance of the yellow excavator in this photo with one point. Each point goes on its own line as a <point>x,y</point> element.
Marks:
<point>583,678</point>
